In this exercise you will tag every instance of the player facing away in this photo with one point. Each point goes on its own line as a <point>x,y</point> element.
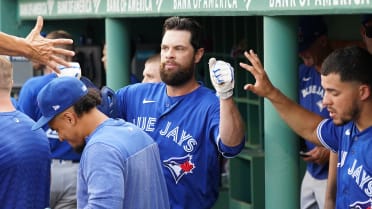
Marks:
<point>346,77</point>
<point>191,125</point>
<point>24,154</point>
<point>120,164</point>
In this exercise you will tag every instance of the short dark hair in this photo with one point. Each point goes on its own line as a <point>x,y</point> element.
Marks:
<point>187,24</point>
<point>87,102</point>
<point>56,34</point>
<point>351,63</point>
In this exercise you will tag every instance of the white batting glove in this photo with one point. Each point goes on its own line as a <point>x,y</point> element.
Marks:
<point>222,77</point>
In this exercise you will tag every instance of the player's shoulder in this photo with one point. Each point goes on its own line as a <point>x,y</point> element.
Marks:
<point>306,69</point>
<point>141,88</point>
<point>24,124</point>
<point>39,81</point>
<point>25,121</point>
<point>206,93</point>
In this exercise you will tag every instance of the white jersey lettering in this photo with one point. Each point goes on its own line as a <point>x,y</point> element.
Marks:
<point>184,138</point>
<point>146,124</point>
<point>362,179</point>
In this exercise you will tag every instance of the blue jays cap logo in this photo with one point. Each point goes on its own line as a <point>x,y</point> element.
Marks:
<point>362,205</point>
<point>179,166</point>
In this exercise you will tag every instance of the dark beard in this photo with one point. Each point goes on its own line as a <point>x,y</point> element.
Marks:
<point>354,114</point>
<point>79,149</point>
<point>177,79</point>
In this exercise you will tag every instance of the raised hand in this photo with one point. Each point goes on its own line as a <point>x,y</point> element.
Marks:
<point>44,50</point>
<point>222,77</point>
<point>263,86</point>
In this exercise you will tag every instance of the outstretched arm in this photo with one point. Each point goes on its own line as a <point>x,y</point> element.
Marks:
<point>302,121</point>
<point>35,47</point>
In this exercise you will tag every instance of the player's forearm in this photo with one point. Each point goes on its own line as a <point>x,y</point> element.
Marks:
<point>12,45</point>
<point>330,200</point>
<point>231,123</point>
<point>302,121</point>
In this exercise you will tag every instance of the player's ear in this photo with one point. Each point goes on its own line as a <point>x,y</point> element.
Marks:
<point>69,117</point>
<point>364,92</point>
<point>199,54</point>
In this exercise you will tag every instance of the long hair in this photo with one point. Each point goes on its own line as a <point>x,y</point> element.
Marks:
<point>87,102</point>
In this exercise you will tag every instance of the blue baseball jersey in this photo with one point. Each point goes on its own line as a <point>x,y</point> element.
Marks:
<point>120,168</point>
<point>186,128</point>
<point>310,97</point>
<point>354,168</point>
<point>24,163</point>
<point>27,103</point>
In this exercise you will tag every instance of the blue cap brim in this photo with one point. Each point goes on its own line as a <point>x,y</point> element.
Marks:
<point>41,122</point>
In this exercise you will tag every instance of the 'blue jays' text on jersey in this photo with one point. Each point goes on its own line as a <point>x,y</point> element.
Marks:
<point>24,163</point>
<point>354,168</point>
<point>120,168</point>
<point>310,97</point>
<point>27,103</point>
<point>186,129</point>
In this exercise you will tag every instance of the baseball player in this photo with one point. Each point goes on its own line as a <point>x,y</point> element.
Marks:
<point>346,77</point>
<point>151,71</point>
<point>191,125</point>
<point>120,165</point>
<point>24,155</point>
<point>65,161</point>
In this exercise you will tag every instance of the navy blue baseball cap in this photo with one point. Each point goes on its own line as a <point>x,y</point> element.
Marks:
<point>309,29</point>
<point>57,96</point>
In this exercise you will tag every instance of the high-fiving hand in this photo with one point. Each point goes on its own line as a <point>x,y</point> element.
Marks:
<point>44,50</point>
<point>263,86</point>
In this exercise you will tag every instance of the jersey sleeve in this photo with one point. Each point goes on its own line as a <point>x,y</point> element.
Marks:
<point>225,150</point>
<point>121,105</point>
<point>230,152</point>
<point>328,133</point>
<point>27,102</point>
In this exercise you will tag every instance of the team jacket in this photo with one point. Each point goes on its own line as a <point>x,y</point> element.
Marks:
<point>120,169</point>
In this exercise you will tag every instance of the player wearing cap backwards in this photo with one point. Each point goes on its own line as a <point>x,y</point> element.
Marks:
<point>120,165</point>
<point>313,48</point>
<point>191,125</point>
<point>24,154</point>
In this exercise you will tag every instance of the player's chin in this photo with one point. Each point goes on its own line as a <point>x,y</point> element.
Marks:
<point>339,122</point>
<point>79,147</point>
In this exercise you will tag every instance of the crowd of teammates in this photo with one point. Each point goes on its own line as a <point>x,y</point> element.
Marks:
<point>178,158</point>
<point>182,161</point>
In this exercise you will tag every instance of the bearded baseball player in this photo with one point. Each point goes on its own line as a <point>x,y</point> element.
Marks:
<point>346,77</point>
<point>191,125</point>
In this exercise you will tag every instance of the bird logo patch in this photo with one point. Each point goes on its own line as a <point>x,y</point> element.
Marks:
<point>179,166</point>
<point>362,205</point>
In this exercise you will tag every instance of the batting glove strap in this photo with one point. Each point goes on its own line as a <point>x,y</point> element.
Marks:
<point>225,95</point>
